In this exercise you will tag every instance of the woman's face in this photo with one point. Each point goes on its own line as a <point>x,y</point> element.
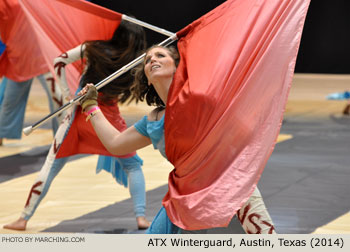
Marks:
<point>158,64</point>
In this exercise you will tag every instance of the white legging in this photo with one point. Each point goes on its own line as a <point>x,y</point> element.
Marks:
<point>254,217</point>
<point>53,165</point>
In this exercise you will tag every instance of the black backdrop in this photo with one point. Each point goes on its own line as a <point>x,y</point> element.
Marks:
<point>325,45</point>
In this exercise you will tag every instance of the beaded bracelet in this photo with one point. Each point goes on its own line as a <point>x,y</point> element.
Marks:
<point>92,112</point>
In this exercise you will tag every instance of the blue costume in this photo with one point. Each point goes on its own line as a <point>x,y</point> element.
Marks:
<point>155,131</point>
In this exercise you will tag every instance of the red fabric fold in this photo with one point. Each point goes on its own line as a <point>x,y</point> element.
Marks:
<point>225,106</point>
<point>36,32</point>
<point>82,138</point>
<point>21,59</point>
<point>60,25</point>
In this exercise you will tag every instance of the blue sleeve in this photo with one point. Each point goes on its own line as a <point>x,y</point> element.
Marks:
<point>141,126</point>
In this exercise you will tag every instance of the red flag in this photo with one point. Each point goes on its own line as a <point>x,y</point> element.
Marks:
<point>39,31</point>
<point>225,106</point>
<point>21,59</point>
<point>60,25</point>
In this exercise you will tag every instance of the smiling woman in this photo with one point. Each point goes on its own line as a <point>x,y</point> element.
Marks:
<point>143,88</point>
<point>152,81</point>
<point>159,69</point>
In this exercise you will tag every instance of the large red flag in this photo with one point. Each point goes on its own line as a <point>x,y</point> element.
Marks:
<point>225,106</point>
<point>60,25</point>
<point>36,32</point>
<point>21,59</point>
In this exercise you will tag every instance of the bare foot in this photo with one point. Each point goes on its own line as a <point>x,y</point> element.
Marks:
<point>142,222</point>
<point>19,224</point>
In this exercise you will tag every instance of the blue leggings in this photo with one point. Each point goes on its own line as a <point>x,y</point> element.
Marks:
<point>12,108</point>
<point>161,224</point>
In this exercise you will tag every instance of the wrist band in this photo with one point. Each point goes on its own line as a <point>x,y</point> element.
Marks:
<point>87,103</point>
<point>92,112</point>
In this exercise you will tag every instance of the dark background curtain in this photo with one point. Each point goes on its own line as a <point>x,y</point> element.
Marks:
<point>325,45</point>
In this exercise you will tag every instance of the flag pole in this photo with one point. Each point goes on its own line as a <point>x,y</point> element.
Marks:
<point>149,26</point>
<point>99,85</point>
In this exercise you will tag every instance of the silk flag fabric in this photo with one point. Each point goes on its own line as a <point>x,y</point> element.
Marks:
<point>225,106</point>
<point>81,137</point>
<point>59,25</point>
<point>21,59</point>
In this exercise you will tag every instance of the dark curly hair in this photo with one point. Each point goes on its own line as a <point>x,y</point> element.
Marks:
<point>104,57</point>
<point>140,88</point>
